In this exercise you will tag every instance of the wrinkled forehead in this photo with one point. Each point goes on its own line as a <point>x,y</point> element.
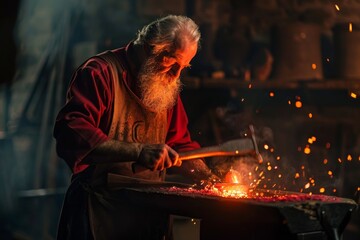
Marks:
<point>185,52</point>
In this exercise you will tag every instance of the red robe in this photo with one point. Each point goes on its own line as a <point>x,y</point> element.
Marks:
<point>83,123</point>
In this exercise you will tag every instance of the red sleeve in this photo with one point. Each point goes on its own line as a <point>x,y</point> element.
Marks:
<point>80,124</point>
<point>178,136</point>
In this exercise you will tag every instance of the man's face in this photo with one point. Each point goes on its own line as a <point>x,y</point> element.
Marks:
<point>159,77</point>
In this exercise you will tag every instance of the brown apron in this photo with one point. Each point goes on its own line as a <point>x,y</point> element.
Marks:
<point>113,218</point>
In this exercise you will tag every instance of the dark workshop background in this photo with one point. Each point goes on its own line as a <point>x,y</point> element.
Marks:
<point>291,68</point>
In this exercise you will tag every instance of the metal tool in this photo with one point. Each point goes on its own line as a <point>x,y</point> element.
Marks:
<point>237,147</point>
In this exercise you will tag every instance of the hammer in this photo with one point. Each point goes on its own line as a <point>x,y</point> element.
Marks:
<point>237,147</point>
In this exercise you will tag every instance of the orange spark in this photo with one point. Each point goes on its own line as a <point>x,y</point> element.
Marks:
<point>307,149</point>
<point>298,104</point>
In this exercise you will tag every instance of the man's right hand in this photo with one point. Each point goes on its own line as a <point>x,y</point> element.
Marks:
<point>157,157</point>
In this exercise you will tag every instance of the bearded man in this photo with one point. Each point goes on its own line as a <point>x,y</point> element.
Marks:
<point>123,112</point>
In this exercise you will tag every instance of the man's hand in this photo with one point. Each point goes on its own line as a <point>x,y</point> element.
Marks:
<point>158,157</point>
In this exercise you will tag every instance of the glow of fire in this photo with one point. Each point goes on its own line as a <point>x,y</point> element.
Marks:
<point>307,149</point>
<point>350,27</point>
<point>310,115</point>
<point>337,7</point>
<point>271,94</point>
<point>234,188</point>
<point>313,66</point>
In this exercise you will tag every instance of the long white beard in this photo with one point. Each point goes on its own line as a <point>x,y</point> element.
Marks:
<point>157,93</point>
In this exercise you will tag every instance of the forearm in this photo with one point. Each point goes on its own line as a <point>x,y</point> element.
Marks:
<point>113,151</point>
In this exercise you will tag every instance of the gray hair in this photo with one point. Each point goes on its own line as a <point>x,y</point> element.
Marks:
<point>168,33</point>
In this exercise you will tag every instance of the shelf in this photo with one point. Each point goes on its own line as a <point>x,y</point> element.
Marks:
<point>325,84</point>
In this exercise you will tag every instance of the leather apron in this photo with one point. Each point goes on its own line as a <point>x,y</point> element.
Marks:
<point>114,218</point>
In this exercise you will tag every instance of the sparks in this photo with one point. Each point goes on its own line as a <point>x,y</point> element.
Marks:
<point>337,7</point>
<point>313,66</point>
<point>298,104</point>
<point>350,27</point>
<point>353,95</point>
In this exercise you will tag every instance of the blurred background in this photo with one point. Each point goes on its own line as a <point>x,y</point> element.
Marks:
<point>291,68</point>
